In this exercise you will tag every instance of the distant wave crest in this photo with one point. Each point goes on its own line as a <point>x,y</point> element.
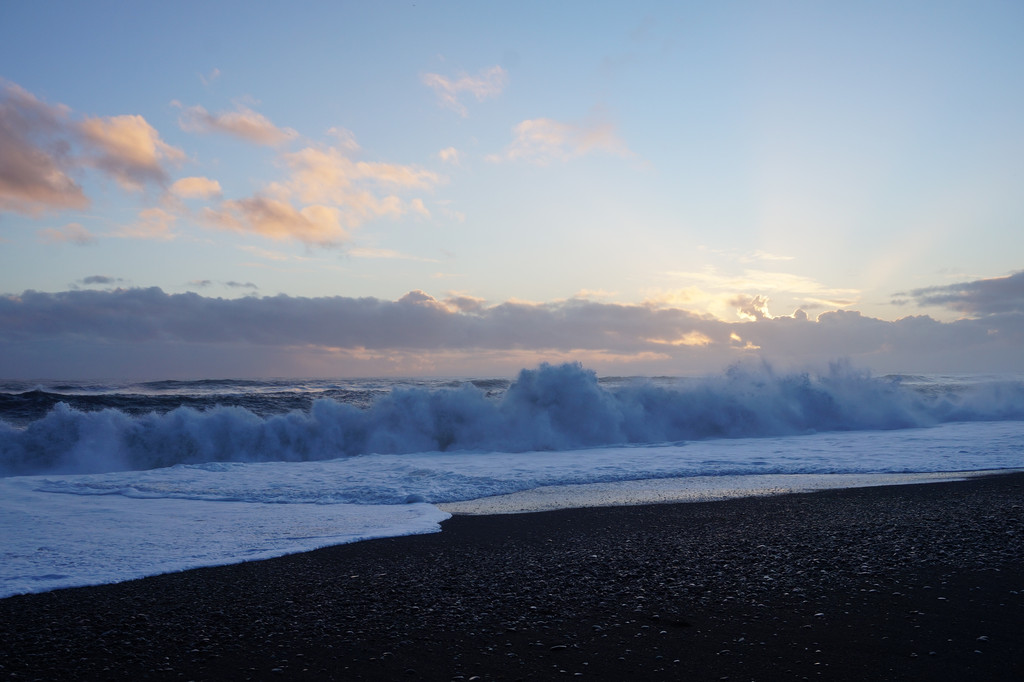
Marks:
<point>549,408</point>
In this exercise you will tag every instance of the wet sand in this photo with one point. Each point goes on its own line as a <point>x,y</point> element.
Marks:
<point>904,582</point>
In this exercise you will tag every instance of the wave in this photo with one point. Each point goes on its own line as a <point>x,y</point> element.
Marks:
<point>549,408</point>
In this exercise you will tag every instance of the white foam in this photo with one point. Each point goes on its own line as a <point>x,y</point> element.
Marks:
<point>692,489</point>
<point>52,541</point>
<point>68,530</point>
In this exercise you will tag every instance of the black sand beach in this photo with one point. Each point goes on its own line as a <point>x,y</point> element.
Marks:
<point>922,582</point>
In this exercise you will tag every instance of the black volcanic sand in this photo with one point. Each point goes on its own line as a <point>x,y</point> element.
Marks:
<point>921,582</point>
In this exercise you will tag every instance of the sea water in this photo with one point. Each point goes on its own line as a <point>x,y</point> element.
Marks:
<point>102,482</point>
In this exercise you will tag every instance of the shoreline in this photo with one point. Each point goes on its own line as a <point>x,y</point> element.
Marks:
<point>895,582</point>
<point>688,489</point>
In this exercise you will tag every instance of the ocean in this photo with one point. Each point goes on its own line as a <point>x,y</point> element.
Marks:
<point>109,481</point>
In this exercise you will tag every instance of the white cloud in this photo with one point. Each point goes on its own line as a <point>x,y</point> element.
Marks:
<point>747,295</point>
<point>196,188</point>
<point>450,155</point>
<point>751,307</point>
<point>489,83</point>
<point>543,140</point>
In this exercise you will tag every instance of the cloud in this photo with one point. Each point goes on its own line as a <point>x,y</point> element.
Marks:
<point>415,321</point>
<point>387,254</point>
<point>336,195</point>
<point>196,188</point>
<point>465,329</point>
<point>543,140</point>
<point>243,123</point>
<point>267,254</point>
<point>466,304</point>
<point>597,294</point>
<point>209,78</point>
<point>746,295</point>
<point>206,283</point>
<point>99,279</point>
<point>72,233</point>
<point>41,148</point>
<point>346,138</point>
<point>129,149</point>
<point>152,223</point>
<point>450,155</point>
<point>992,296</point>
<point>761,255</point>
<point>328,174</point>
<point>751,307</point>
<point>36,164</point>
<point>489,83</point>
<point>325,194</point>
<point>280,220</point>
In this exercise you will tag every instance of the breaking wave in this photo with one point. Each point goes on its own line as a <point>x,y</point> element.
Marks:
<point>549,408</point>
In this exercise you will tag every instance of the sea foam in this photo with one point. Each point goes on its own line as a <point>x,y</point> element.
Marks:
<point>551,408</point>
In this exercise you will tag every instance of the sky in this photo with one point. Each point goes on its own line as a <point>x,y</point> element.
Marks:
<point>234,189</point>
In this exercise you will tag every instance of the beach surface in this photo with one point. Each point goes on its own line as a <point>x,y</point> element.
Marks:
<point>894,582</point>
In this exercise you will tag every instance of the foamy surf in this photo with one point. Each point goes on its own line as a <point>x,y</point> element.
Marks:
<point>126,485</point>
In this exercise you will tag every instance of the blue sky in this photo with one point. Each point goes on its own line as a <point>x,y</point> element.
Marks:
<point>649,187</point>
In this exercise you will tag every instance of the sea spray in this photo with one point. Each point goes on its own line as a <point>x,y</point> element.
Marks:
<point>552,407</point>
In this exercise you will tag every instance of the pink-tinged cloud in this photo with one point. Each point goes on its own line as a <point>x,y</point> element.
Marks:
<point>277,219</point>
<point>328,174</point>
<point>129,149</point>
<point>325,196</point>
<point>72,233</point>
<point>543,140</point>
<point>345,137</point>
<point>152,223</point>
<point>488,83</point>
<point>243,123</point>
<point>196,188</point>
<point>450,155</point>
<point>41,148</point>
<point>36,163</point>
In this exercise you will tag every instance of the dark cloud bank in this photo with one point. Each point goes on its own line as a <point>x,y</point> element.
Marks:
<point>149,333</point>
<point>999,295</point>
